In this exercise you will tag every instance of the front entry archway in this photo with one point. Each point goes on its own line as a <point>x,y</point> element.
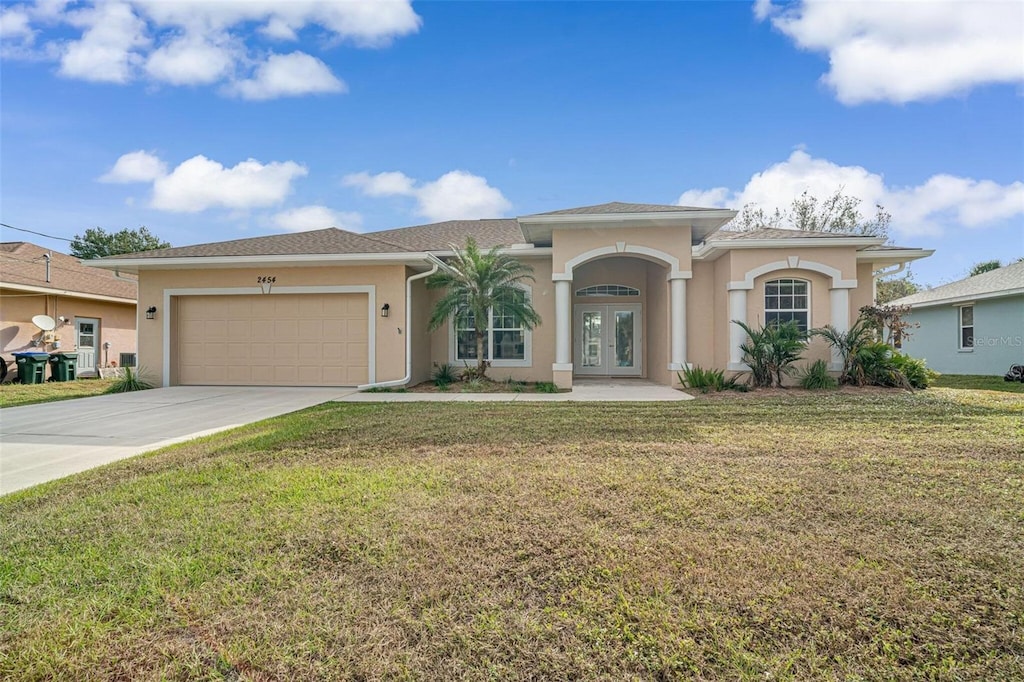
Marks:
<point>608,339</point>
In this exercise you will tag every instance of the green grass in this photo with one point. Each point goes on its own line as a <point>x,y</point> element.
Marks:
<point>825,536</point>
<point>977,382</point>
<point>12,395</point>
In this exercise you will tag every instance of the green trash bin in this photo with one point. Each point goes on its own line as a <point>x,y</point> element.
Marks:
<point>31,367</point>
<point>63,366</point>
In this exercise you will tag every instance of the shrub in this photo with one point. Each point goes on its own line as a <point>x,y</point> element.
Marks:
<point>444,374</point>
<point>771,351</point>
<point>546,387</point>
<point>513,385</point>
<point>131,380</point>
<point>474,385</point>
<point>703,380</point>
<point>916,371</point>
<point>816,377</point>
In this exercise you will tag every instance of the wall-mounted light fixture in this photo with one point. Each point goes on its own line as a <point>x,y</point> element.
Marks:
<point>385,310</point>
<point>151,312</point>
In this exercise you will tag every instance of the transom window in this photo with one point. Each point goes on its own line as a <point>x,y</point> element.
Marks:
<point>506,344</point>
<point>966,327</point>
<point>785,300</point>
<point>608,290</point>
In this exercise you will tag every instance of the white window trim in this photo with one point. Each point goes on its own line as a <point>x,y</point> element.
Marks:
<point>527,360</point>
<point>764,296</point>
<point>960,326</point>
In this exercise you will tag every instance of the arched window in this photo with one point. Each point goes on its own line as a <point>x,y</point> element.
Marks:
<point>608,290</point>
<point>788,299</point>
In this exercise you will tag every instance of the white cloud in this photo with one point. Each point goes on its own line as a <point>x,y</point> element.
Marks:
<point>907,51</point>
<point>199,42</point>
<point>943,201</point>
<point>289,75</point>
<point>455,195</point>
<point>190,60</point>
<point>14,25</point>
<point>106,51</point>
<point>201,183</point>
<point>382,184</point>
<point>140,166</point>
<point>316,217</point>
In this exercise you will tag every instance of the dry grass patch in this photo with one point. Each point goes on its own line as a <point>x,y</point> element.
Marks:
<point>823,536</point>
<point>13,395</point>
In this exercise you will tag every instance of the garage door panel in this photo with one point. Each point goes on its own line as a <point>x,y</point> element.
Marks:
<point>277,339</point>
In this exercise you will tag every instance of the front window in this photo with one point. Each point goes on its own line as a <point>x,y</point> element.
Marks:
<point>785,300</point>
<point>506,341</point>
<point>967,327</point>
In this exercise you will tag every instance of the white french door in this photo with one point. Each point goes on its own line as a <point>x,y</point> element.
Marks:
<point>607,340</point>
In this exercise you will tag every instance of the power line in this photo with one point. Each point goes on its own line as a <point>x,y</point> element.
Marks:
<point>48,236</point>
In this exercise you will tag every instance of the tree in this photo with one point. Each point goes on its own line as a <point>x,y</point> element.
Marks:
<point>890,289</point>
<point>985,266</point>
<point>836,213</point>
<point>478,284</point>
<point>97,242</point>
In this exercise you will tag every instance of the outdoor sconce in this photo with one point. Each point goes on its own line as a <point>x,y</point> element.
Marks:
<point>151,312</point>
<point>385,310</point>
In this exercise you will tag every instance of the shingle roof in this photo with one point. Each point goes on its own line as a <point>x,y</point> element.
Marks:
<point>775,233</point>
<point>619,207</point>
<point>23,263</point>
<point>488,233</point>
<point>327,241</point>
<point>1007,279</point>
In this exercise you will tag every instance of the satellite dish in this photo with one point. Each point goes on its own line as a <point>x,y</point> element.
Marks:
<point>44,322</point>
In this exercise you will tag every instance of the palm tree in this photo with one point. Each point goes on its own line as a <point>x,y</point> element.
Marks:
<point>477,283</point>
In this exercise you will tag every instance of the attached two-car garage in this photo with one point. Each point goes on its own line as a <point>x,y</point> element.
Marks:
<point>273,339</point>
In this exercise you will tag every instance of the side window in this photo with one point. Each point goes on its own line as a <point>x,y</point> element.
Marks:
<point>966,327</point>
<point>787,299</point>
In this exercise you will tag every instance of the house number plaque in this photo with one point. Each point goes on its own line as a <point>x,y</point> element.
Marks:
<point>266,282</point>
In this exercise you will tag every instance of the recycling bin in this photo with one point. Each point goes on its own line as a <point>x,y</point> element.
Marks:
<point>63,366</point>
<point>31,367</point>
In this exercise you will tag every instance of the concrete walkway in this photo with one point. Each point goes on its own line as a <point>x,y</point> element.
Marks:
<point>44,442</point>
<point>40,443</point>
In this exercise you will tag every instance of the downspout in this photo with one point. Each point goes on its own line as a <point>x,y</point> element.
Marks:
<point>408,327</point>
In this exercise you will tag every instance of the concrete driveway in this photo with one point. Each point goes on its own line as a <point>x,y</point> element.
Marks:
<point>40,443</point>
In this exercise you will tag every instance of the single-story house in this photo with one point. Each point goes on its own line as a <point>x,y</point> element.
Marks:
<point>94,310</point>
<point>973,326</point>
<point>632,290</point>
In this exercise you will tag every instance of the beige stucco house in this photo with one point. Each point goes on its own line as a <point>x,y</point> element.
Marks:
<point>631,290</point>
<point>94,309</point>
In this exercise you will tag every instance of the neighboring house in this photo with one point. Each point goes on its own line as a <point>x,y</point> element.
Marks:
<point>622,289</point>
<point>92,307</point>
<point>974,326</point>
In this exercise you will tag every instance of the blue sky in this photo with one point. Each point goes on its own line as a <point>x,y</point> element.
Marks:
<point>211,121</point>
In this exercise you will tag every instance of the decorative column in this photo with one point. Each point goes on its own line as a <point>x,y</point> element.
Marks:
<point>678,305</point>
<point>563,316</point>
<point>840,304</point>
<point>738,312</point>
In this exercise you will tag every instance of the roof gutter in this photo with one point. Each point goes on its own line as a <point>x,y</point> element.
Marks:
<point>437,265</point>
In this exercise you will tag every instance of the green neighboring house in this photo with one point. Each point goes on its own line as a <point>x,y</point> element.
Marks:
<point>974,326</point>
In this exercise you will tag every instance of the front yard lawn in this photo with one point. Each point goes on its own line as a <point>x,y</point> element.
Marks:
<point>834,536</point>
<point>12,395</point>
<point>978,382</point>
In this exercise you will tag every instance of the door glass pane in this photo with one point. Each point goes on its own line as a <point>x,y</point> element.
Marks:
<point>591,339</point>
<point>623,338</point>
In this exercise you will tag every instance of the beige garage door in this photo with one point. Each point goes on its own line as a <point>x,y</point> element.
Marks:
<point>273,340</point>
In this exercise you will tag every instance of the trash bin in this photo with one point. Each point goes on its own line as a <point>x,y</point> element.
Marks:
<point>31,367</point>
<point>63,366</point>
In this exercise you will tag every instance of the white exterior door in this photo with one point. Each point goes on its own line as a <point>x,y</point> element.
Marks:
<point>87,340</point>
<point>607,340</point>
